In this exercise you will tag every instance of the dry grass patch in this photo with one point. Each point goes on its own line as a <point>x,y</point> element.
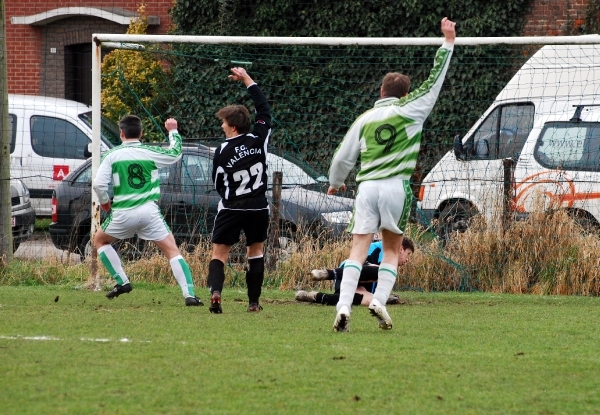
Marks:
<point>546,254</point>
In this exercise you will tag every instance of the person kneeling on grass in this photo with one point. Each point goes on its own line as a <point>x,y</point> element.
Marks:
<point>367,280</point>
<point>133,170</point>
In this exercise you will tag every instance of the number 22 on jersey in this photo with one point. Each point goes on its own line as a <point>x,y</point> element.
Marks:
<point>244,176</point>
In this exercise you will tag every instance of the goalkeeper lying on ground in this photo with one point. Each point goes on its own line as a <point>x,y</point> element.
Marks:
<point>366,283</point>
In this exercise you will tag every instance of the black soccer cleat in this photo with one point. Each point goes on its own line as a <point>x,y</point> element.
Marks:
<point>254,308</point>
<point>393,299</point>
<point>118,290</point>
<point>193,302</point>
<point>215,303</point>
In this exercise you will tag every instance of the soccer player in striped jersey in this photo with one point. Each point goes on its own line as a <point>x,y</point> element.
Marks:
<point>133,170</point>
<point>387,138</point>
<point>240,176</point>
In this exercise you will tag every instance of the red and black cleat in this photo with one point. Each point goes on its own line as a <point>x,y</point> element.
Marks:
<point>215,303</point>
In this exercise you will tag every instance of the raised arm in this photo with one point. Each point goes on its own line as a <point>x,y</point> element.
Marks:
<point>421,101</point>
<point>263,110</point>
<point>166,156</point>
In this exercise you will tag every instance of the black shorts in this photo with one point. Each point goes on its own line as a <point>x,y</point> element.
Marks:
<point>229,223</point>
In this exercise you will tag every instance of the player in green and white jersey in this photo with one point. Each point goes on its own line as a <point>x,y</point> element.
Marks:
<point>387,138</point>
<point>133,170</point>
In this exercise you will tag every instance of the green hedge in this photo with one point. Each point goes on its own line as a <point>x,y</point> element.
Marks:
<point>309,83</point>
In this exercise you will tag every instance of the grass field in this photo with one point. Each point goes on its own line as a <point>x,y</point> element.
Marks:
<point>69,351</point>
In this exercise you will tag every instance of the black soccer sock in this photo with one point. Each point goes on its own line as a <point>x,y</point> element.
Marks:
<point>319,298</point>
<point>216,275</point>
<point>254,278</point>
<point>329,299</point>
<point>357,299</point>
<point>332,299</point>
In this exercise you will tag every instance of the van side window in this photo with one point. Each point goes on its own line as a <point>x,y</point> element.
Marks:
<point>56,138</point>
<point>504,132</point>
<point>569,146</point>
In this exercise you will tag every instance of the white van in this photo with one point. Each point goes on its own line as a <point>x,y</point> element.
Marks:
<point>537,146</point>
<point>48,139</point>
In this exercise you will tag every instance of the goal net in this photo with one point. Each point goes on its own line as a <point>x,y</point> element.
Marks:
<point>484,121</point>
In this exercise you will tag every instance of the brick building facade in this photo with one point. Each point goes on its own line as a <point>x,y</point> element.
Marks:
<point>49,41</point>
<point>555,17</point>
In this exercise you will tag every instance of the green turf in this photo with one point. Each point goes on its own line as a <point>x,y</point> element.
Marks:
<point>145,352</point>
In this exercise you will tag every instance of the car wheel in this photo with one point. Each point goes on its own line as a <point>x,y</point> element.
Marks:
<point>455,218</point>
<point>131,249</point>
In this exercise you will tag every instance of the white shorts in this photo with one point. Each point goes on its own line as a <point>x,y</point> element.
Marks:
<point>146,221</point>
<point>381,204</point>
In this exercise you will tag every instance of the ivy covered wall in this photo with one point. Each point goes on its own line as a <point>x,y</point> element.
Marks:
<point>298,94</point>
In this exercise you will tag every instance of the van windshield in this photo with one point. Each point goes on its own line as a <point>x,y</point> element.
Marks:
<point>109,130</point>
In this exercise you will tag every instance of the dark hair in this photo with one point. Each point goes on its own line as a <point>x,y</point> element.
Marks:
<point>236,116</point>
<point>395,84</point>
<point>131,125</point>
<point>407,243</point>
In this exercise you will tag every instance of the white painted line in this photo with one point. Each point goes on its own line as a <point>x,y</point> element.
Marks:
<point>83,339</point>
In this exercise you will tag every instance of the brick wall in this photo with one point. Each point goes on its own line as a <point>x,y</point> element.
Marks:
<point>32,69</point>
<point>555,17</point>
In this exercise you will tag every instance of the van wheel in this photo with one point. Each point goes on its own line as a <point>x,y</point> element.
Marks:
<point>455,218</point>
<point>586,221</point>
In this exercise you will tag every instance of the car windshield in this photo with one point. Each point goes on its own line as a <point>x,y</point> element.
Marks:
<point>109,130</point>
<point>295,172</point>
<point>85,177</point>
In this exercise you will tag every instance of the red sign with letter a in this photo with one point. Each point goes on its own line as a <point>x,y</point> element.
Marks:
<point>60,172</point>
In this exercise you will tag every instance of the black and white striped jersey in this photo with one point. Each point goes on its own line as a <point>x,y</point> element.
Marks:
<point>240,163</point>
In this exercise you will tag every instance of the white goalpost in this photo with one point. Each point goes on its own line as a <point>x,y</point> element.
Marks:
<point>137,42</point>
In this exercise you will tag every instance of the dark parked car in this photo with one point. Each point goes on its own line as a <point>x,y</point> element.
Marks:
<point>189,201</point>
<point>23,214</point>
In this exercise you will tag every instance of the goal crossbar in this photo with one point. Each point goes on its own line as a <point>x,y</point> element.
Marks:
<point>344,41</point>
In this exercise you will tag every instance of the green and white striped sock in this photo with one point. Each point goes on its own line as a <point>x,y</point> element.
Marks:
<point>386,277</point>
<point>349,282</point>
<point>110,259</point>
<point>183,275</point>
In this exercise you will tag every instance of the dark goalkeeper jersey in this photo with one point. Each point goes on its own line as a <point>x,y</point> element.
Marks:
<point>240,163</point>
